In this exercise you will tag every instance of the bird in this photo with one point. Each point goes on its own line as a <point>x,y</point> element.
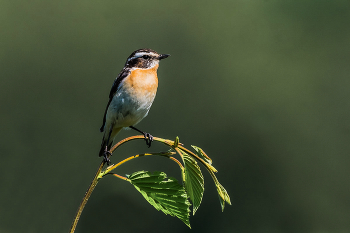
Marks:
<point>131,97</point>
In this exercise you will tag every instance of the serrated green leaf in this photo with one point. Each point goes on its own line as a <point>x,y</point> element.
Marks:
<point>194,181</point>
<point>201,154</point>
<point>223,196</point>
<point>165,194</point>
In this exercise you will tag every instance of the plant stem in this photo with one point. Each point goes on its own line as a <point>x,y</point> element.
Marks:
<point>164,141</point>
<point>99,174</point>
<point>120,177</point>
<point>164,154</point>
<point>86,198</point>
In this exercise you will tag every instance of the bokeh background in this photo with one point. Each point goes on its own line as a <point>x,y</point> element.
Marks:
<point>261,86</point>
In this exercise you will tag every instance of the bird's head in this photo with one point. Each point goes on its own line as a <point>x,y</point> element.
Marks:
<point>144,59</point>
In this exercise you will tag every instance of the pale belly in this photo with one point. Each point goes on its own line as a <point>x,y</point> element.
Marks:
<point>127,109</point>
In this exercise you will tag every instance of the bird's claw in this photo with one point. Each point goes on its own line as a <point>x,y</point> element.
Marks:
<point>148,139</point>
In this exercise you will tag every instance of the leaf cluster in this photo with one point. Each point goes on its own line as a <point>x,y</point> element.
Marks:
<point>166,193</point>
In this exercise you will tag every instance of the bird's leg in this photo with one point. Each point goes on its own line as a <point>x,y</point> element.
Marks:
<point>148,137</point>
<point>107,153</point>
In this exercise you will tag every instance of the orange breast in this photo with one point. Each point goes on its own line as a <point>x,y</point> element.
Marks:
<point>143,82</point>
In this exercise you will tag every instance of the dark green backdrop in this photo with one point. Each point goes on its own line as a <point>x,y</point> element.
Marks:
<point>261,86</point>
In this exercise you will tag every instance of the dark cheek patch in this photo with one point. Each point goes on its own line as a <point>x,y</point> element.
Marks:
<point>142,63</point>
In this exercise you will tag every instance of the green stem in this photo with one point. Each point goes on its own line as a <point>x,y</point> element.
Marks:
<point>164,154</point>
<point>164,141</point>
<point>171,144</point>
<point>86,198</point>
<point>120,177</point>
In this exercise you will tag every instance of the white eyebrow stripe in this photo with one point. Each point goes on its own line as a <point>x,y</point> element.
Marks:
<point>140,54</point>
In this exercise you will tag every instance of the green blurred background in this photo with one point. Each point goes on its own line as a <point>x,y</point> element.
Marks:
<point>261,86</point>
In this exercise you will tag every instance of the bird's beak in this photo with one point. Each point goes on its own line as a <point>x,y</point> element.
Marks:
<point>162,56</point>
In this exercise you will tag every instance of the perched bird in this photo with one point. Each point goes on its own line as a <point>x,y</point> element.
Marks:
<point>131,96</point>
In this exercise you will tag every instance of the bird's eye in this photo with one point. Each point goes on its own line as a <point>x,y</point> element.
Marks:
<point>145,57</point>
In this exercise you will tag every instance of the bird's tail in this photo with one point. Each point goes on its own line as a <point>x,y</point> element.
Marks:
<point>107,140</point>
